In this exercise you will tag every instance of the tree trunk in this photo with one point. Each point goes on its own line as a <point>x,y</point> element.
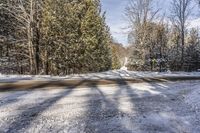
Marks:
<point>182,49</point>
<point>30,49</point>
<point>46,64</point>
<point>37,44</point>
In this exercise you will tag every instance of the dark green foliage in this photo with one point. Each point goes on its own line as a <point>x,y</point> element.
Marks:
<point>116,64</point>
<point>95,37</point>
<point>79,40</point>
<point>59,37</point>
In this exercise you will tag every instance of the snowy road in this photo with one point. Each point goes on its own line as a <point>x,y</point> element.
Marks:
<point>114,74</point>
<point>170,107</point>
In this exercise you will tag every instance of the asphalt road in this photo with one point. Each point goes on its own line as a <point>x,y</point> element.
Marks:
<point>148,107</point>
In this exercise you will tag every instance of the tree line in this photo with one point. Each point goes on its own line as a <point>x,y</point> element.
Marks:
<point>160,42</point>
<point>54,37</point>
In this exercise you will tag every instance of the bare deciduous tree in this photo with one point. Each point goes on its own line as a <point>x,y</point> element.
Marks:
<point>141,15</point>
<point>140,11</point>
<point>180,13</point>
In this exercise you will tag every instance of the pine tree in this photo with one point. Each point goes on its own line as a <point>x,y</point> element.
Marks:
<point>55,37</point>
<point>96,38</point>
<point>75,37</point>
<point>61,33</point>
<point>115,58</point>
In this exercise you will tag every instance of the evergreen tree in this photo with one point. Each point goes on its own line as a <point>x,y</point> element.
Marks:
<point>61,33</point>
<point>96,38</point>
<point>54,37</point>
<point>75,37</point>
<point>115,58</point>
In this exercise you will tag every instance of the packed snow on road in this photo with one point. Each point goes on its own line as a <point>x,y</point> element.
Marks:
<point>169,107</point>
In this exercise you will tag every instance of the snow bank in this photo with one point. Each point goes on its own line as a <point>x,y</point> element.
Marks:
<point>115,74</point>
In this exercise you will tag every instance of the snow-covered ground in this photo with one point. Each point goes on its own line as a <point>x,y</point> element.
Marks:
<point>169,107</point>
<point>115,74</point>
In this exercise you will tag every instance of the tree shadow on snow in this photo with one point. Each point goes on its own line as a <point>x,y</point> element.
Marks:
<point>153,110</point>
<point>25,118</point>
<point>102,114</point>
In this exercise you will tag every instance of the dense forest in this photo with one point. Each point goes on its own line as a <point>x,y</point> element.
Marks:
<point>71,36</point>
<point>57,38</point>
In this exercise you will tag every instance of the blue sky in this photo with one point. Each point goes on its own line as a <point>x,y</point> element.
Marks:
<point>116,20</point>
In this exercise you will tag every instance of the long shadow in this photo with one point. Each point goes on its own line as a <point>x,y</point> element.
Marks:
<point>141,104</point>
<point>16,98</point>
<point>136,106</point>
<point>26,117</point>
<point>99,111</point>
<point>12,98</point>
<point>160,103</point>
<point>137,102</point>
<point>102,114</point>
